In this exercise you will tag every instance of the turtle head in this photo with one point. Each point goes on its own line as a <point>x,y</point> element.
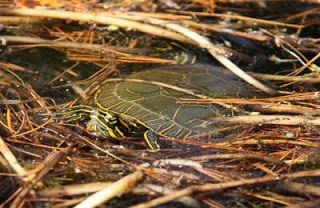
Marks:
<point>96,121</point>
<point>74,113</point>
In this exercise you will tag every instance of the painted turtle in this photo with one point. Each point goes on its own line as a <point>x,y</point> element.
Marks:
<point>148,103</point>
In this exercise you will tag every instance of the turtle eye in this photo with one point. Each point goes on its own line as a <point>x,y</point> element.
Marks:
<point>113,120</point>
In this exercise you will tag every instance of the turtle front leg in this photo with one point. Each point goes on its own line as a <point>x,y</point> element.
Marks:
<point>151,140</point>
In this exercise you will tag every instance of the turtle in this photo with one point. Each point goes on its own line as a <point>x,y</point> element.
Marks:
<point>150,103</point>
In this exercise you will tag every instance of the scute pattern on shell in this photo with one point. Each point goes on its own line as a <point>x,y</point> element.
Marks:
<point>157,107</point>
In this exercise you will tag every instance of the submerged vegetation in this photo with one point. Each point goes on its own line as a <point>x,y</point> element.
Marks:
<point>57,54</point>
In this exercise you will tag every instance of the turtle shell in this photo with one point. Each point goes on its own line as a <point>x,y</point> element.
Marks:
<point>160,109</point>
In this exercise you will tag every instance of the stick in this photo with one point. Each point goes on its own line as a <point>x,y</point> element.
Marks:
<point>116,189</point>
<point>222,186</point>
<point>203,42</point>
<point>96,18</point>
